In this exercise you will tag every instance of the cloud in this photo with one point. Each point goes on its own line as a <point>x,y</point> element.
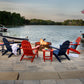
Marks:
<point>43,9</point>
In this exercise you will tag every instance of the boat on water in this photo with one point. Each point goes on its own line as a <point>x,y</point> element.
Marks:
<point>3,28</point>
<point>12,39</point>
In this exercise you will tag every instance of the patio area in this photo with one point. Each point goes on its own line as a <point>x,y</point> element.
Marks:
<point>38,65</point>
<point>41,72</point>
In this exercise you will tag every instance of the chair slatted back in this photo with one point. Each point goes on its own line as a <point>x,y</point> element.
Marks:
<point>78,40</point>
<point>7,44</point>
<point>64,47</point>
<point>26,46</point>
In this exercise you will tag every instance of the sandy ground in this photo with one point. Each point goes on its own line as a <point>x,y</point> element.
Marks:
<point>38,65</point>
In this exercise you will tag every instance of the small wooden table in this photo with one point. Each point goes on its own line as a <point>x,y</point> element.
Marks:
<point>47,57</point>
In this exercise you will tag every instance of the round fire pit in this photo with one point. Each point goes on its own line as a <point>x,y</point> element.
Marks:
<point>43,46</point>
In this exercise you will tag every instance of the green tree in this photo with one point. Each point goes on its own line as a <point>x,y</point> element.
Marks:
<point>8,18</point>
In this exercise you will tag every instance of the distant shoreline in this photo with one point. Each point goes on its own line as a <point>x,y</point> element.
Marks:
<point>41,25</point>
<point>15,19</point>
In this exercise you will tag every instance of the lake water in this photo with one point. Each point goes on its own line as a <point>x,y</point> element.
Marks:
<point>54,34</point>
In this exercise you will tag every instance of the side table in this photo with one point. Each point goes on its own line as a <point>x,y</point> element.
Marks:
<point>47,57</point>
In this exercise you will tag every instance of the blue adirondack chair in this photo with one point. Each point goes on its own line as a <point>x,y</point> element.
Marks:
<point>61,51</point>
<point>8,48</point>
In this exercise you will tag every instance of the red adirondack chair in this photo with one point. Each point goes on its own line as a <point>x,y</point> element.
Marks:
<point>28,50</point>
<point>75,46</point>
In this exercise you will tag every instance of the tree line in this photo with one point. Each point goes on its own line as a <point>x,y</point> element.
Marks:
<point>15,19</point>
<point>8,18</point>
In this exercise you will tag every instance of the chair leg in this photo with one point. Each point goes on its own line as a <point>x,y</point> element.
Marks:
<point>67,57</point>
<point>74,50</point>
<point>19,50</point>
<point>37,54</point>
<point>10,55</point>
<point>2,49</point>
<point>32,58</point>
<point>5,52</point>
<point>57,57</point>
<point>22,57</point>
<point>67,51</point>
<point>77,51</point>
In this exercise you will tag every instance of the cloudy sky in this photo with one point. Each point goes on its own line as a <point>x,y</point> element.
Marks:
<point>56,10</point>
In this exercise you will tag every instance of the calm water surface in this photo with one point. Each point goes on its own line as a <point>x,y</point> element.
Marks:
<point>54,34</point>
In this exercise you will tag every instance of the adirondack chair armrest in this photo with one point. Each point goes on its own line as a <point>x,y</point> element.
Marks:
<point>53,47</point>
<point>36,47</point>
<point>74,44</point>
<point>32,48</point>
<point>11,42</point>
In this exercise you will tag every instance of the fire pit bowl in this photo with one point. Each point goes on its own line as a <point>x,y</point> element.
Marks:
<point>43,46</point>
